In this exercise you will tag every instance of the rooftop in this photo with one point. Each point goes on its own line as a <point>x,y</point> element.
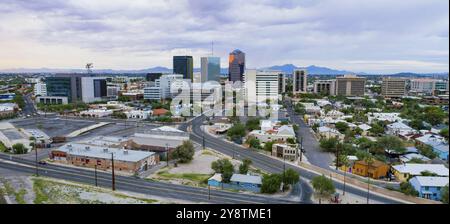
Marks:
<point>105,152</point>
<point>431,181</point>
<point>246,179</point>
<point>417,169</point>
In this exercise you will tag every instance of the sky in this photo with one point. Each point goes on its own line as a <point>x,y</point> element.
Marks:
<point>376,36</point>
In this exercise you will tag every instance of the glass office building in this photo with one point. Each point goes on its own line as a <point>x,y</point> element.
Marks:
<point>184,65</point>
<point>210,69</point>
<point>236,66</point>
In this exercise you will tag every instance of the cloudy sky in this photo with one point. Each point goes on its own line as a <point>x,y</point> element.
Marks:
<point>380,36</point>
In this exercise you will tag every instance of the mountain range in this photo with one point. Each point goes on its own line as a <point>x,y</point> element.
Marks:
<point>287,68</point>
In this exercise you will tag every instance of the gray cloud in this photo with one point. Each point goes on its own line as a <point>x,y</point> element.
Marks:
<point>326,32</point>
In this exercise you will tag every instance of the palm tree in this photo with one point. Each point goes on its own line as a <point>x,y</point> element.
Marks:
<point>369,159</point>
<point>323,187</point>
<point>346,163</point>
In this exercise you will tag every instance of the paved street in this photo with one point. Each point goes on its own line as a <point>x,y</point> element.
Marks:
<point>269,164</point>
<point>312,149</point>
<point>132,184</point>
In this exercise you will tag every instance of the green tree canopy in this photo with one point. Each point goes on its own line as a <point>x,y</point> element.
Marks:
<point>185,152</point>
<point>19,148</point>
<point>323,187</point>
<point>225,167</point>
<point>271,183</point>
<point>245,165</point>
<point>291,177</point>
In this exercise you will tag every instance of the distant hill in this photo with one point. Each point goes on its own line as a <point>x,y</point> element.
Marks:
<point>313,70</point>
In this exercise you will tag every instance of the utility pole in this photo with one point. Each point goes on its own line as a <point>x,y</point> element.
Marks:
<point>36,155</point>
<point>368,182</point>
<point>301,149</point>
<point>209,192</point>
<point>345,174</point>
<point>284,170</point>
<point>95,172</point>
<point>167,154</point>
<point>337,156</point>
<point>113,176</point>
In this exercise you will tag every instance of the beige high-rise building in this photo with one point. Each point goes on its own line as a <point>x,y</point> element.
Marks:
<point>325,87</point>
<point>300,81</point>
<point>393,87</point>
<point>350,85</point>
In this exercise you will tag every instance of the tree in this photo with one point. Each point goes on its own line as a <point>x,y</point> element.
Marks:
<point>377,129</point>
<point>444,133</point>
<point>123,98</point>
<point>290,140</point>
<point>390,143</point>
<point>364,143</point>
<point>253,124</point>
<point>323,187</point>
<point>434,115</point>
<point>417,124</point>
<point>268,146</point>
<point>408,189</point>
<point>19,148</point>
<point>271,183</point>
<point>342,127</point>
<point>254,143</point>
<point>329,145</point>
<point>243,168</point>
<point>444,194</point>
<point>185,152</point>
<point>291,177</point>
<point>119,115</point>
<point>427,151</point>
<point>236,132</point>
<point>225,167</point>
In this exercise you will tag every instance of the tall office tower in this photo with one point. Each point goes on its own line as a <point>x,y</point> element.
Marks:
<point>281,83</point>
<point>184,65</point>
<point>65,85</point>
<point>350,85</point>
<point>261,85</point>
<point>300,81</point>
<point>93,89</point>
<point>325,87</point>
<point>393,87</point>
<point>210,69</point>
<point>236,67</point>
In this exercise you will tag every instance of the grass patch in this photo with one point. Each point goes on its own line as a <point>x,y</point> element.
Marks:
<point>39,190</point>
<point>207,152</point>
<point>20,196</point>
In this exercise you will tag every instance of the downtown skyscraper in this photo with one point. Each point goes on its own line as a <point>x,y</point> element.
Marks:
<point>184,65</point>
<point>210,69</point>
<point>236,66</point>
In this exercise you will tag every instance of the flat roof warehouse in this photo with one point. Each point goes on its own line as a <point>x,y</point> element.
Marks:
<point>105,152</point>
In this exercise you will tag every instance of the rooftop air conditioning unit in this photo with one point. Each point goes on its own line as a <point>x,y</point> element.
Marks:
<point>105,150</point>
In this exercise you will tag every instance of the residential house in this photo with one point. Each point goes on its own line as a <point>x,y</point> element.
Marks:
<point>429,187</point>
<point>365,129</point>
<point>237,182</point>
<point>276,134</point>
<point>408,170</point>
<point>438,143</point>
<point>399,127</point>
<point>375,170</point>
<point>327,133</point>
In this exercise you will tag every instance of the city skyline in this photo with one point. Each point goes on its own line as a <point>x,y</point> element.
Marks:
<point>376,37</point>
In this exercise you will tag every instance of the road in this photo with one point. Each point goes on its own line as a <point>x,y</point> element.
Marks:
<point>131,184</point>
<point>270,164</point>
<point>29,108</point>
<point>312,148</point>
